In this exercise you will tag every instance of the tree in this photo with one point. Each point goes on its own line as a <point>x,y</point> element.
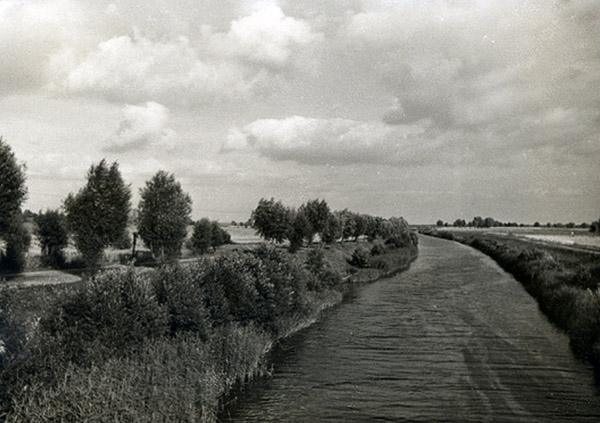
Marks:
<point>97,215</point>
<point>332,230</point>
<point>201,239</point>
<point>18,239</point>
<point>360,225</point>
<point>439,223</point>
<point>271,220</point>
<point>51,232</point>
<point>12,187</point>
<point>163,212</point>
<point>317,212</point>
<point>208,234</point>
<point>299,230</point>
<point>219,235</point>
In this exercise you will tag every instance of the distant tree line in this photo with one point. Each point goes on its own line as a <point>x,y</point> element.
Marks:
<point>300,226</point>
<point>489,222</point>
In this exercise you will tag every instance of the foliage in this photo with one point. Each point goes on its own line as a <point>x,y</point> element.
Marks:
<point>317,213</point>
<point>51,232</point>
<point>202,236</point>
<point>18,239</point>
<point>163,214</point>
<point>12,187</point>
<point>299,230</point>
<point>179,290</point>
<point>361,258</point>
<point>271,220</point>
<point>332,231</point>
<point>103,318</point>
<point>208,234</point>
<point>97,214</point>
<point>163,345</point>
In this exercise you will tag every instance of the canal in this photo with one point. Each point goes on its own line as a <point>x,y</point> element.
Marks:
<point>454,338</point>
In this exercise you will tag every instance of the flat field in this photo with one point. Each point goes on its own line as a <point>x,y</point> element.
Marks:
<point>563,236</point>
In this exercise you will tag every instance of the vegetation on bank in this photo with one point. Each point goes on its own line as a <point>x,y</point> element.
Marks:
<point>565,283</point>
<point>167,344</point>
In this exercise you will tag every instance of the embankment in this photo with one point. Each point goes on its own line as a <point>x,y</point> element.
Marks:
<point>167,345</point>
<point>565,283</point>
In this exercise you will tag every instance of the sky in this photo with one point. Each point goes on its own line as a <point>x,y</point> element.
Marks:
<point>423,109</point>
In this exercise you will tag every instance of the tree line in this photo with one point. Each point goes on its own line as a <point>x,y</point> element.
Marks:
<point>489,222</point>
<point>96,217</point>
<point>300,226</point>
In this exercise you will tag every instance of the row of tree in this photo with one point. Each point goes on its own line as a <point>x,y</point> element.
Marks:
<point>489,222</point>
<point>277,223</point>
<point>97,216</point>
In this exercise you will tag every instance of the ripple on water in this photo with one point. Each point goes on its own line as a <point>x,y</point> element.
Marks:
<point>454,338</point>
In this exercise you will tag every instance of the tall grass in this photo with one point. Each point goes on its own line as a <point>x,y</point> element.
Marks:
<point>164,345</point>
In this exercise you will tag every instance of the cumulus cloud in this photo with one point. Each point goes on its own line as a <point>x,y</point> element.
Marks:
<point>107,52</point>
<point>267,36</point>
<point>327,141</point>
<point>143,126</point>
<point>134,68</point>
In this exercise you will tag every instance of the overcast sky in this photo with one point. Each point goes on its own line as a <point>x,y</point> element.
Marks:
<point>423,109</point>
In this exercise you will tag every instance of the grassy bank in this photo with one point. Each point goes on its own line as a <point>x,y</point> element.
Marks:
<point>564,282</point>
<point>168,344</point>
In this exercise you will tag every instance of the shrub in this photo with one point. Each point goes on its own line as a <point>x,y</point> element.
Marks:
<point>106,316</point>
<point>179,290</point>
<point>378,247</point>
<point>315,261</point>
<point>360,258</point>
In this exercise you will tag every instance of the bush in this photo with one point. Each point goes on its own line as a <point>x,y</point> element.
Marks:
<point>104,318</point>
<point>378,247</point>
<point>315,261</point>
<point>360,258</point>
<point>179,290</point>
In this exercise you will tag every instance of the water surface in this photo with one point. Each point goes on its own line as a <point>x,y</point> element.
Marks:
<point>454,338</point>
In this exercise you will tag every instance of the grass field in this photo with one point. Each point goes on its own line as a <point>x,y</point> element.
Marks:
<point>564,236</point>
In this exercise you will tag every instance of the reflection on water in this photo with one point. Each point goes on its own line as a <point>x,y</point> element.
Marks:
<point>454,338</point>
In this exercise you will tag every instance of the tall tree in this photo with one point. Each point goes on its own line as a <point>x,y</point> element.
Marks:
<point>163,215</point>
<point>271,220</point>
<point>12,187</point>
<point>97,214</point>
<point>317,212</point>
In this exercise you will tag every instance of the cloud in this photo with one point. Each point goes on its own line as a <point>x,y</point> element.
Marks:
<point>143,126</point>
<point>267,36</point>
<point>134,68</point>
<point>30,34</point>
<point>327,141</point>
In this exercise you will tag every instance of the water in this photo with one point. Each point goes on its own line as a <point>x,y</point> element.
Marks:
<point>454,338</point>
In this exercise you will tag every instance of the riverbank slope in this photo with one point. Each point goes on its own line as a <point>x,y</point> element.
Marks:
<point>166,345</point>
